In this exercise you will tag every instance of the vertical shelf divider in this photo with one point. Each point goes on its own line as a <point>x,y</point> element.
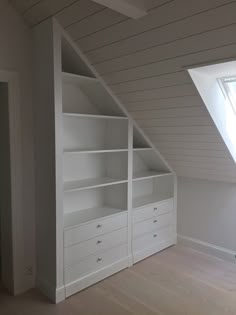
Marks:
<point>130,189</point>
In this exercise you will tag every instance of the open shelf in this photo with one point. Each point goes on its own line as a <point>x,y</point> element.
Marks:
<point>87,215</point>
<point>91,204</point>
<point>86,151</point>
<point>93,116</point>
<point>83,171</point>
<point>139,142</point>
<point>146,163</point>
<point>142,149</point>
<point>91,183</point>
<point>149,199</point>
<point>152,190</point>
<point>148,174</point>
<point>77,79</point>
<point>71,62</point>
<point>81,133</point>
<point>86,95</point>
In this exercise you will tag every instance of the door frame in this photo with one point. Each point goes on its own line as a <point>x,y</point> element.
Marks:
<point>16,284</point>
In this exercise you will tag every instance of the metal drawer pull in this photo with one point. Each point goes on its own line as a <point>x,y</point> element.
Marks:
<point>98,226</point>
<point>99,259</point>
<point>154,221</point>
<point>155,235</point>
<point>99,242</point>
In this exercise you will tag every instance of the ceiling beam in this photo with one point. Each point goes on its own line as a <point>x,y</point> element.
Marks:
<point>131,8</point>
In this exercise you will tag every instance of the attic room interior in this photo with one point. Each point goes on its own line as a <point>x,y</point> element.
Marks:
<point>118,160</point>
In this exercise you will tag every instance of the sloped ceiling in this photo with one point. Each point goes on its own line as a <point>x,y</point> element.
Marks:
<point>143,62</point>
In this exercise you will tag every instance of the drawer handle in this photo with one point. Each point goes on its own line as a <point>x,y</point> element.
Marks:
<point>99,259</point>
<point>154,221</point>
<point>99,242</point>
<point>99,226</point>
<point>155,235</point>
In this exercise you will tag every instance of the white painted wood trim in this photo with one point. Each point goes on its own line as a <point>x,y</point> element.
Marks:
<point>20,281</point>
<point>207,248</point>
<point>130,189</point>
<point>58,161</point>
<point>56,295</point>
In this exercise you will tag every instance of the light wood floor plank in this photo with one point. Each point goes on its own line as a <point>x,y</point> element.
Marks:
<point>176,281</point>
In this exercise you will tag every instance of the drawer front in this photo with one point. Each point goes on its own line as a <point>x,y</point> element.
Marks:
<point>153,210</point>
<point>165,206</point>
<point>91,230</point>
<point>153,224</point>
<point>149,240</point>
<point>95,263</point>
<point>79,251</point>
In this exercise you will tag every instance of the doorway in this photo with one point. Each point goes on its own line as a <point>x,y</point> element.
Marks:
<point>6,258</point>
<point>11,226</point>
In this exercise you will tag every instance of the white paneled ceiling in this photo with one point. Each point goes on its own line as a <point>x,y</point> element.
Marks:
<point>143,62</point>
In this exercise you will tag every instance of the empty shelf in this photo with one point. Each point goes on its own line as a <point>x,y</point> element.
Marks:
<point>148,174</point>
<point>93,116</point>
<point>87,215</point>
<point>76,78</point>
<point>91,183</point>
<point>94,151</point>
<point>142,149</point>
<point>150,199</point>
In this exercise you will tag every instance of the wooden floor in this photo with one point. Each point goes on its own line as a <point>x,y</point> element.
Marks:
<point>177,281</point>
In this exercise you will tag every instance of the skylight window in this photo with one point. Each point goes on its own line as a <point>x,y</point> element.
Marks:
<point>216,84</point>
<point>228,85</point>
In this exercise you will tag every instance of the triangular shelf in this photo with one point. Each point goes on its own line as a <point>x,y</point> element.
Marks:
<point>95,98</point>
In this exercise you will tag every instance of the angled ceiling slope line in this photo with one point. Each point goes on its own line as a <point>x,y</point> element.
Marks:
<point>132,8</point>
<point>71,49</point>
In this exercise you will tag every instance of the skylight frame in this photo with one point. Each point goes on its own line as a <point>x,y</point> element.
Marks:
<point>228,91</point>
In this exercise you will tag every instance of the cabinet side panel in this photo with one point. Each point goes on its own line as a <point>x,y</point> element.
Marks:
<point>45,155</point>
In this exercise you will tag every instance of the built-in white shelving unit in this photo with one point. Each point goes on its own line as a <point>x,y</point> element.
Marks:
<point>106,196</point>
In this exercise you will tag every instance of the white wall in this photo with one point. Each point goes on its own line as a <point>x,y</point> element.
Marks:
<point>207,212</point>
<point>15,55</point>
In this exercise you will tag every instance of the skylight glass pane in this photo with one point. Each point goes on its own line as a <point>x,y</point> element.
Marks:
<point>229,89</point>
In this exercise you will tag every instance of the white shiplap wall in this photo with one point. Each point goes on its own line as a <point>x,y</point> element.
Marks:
<point>143,61</point>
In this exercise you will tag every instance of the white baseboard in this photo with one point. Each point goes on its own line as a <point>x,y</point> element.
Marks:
<point>55,295</point>
<point>207,248</point>
<point>80,284</point>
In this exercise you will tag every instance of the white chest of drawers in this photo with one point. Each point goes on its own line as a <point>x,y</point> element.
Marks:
<point>154,228</point>
<point>94,250</point>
